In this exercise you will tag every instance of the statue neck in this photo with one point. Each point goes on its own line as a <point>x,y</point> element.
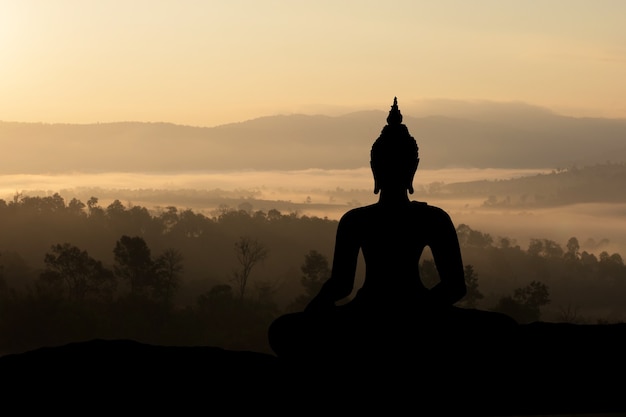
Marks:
<point>393,196</point>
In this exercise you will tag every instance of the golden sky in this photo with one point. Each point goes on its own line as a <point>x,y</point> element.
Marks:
<point>209,62</point>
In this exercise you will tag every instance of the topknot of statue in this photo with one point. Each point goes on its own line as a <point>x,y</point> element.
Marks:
<point>394,117</point>
<point>395,144</point>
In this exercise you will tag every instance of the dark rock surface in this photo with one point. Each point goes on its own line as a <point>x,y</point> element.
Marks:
<point>543,369</point>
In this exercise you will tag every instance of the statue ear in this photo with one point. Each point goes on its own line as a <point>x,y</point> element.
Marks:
<point>376,186</point>
<point>410,184</point>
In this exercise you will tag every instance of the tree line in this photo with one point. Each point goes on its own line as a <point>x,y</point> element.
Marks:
<point>74,271</point>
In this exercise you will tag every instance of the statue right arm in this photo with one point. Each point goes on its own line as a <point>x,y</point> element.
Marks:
<point>341,281</point>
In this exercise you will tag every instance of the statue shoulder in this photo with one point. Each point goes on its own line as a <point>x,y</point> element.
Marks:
<point>430,210</point>
<point>357,215</point>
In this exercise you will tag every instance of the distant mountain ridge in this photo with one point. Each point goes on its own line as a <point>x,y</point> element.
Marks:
<point>495,139</point>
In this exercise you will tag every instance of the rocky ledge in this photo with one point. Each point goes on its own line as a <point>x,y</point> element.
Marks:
<point>542,369</point>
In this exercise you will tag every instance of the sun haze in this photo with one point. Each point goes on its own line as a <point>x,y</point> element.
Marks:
<point>210,63</point>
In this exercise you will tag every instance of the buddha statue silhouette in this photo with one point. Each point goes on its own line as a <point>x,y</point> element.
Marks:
<point>392,306</point>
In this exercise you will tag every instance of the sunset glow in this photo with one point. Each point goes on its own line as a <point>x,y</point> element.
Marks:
<point>211,63</point>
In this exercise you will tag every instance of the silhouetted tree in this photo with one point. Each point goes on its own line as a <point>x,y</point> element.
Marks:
<point>92,205</point>
<point>505,242</point>
<point>535,294</point>
<point>588,259</point>
<point>535,247</point>
<point>221,294</point>
<point>4,288</point>
<point>611,266</point>
<point>315,270</point>
<point>526,302</point>
<point>133,262</point>
<point>116,208</point>
<point>570,314</point>
<point>76,207</point>
<point>473,238</point>
<point>552,249</point>
<point>168,267</point>
<point>545,248</point>
<point>615,258</point>
<point>274,215</point>
<point>168,218</point>
<point>76,272</point>
<point>133,220</point>
<point>473,294</point>
<point>573,249</point>
<point>249,252</point>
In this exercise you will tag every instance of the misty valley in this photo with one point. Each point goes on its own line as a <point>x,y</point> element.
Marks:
<point>82,266</point>
<point>313,208</point>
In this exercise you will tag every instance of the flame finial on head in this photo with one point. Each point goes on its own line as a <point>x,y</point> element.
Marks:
<point>395,117</point>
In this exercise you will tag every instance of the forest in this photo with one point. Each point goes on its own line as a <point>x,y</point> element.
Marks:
<point>74,270</point>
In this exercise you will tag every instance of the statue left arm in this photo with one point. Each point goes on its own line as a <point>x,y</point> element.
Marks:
<point>446,251</point>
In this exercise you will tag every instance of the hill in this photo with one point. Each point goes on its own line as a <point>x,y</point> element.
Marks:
<point>599,183</point>
<point>509,136</point>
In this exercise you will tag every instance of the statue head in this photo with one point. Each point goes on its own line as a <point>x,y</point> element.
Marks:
<point>395,155</point>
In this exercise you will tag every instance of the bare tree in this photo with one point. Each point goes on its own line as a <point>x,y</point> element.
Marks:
<point>570,314</point>
<point>249,252</point>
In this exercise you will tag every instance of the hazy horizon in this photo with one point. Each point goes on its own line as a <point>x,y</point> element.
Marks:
<point>421,107</point>
<point>208,64</point>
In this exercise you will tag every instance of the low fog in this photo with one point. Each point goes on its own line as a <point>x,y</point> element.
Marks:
<point>330,193</point>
